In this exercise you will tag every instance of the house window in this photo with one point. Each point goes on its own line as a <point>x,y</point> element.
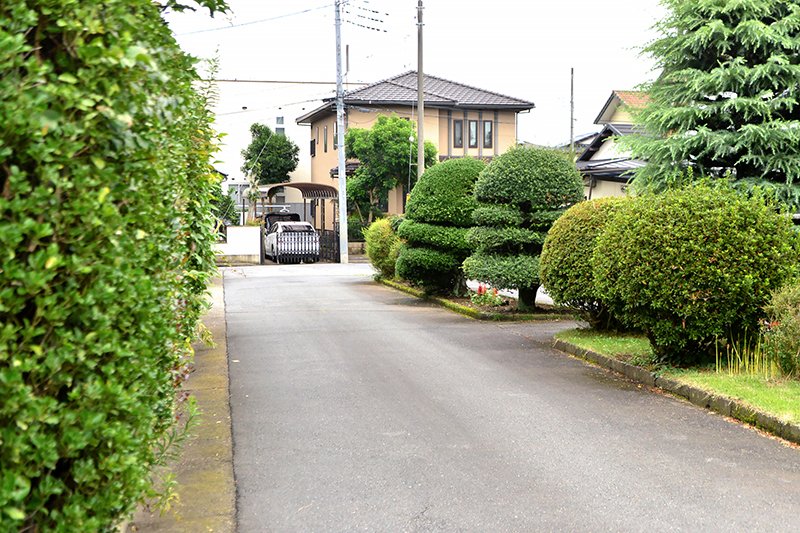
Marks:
<point>325,139</point>
<point>317,137</point>
<point>473,133</point>
<point>313,148</point>
<point>335,135</point>
<point>278,120</point>
<point>458,134</point>
<point>487,133</point>
<point>280,131</point>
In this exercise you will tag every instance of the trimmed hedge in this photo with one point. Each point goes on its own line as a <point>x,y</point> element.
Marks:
<point>438,213</point>
<point>520,194</point>
<point>106,233</point>
<point>566,270</point>
<point>693,267</point>
<point>782,331</point>
<point>382,246</point>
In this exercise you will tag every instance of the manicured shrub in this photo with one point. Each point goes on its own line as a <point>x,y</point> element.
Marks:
<point>565,267</point>
<point>782,331</point>
<point>693,266</point>
<point>106,234</point>
<point>438,213</point>
<point>520,194</point>
<point>382,246</point>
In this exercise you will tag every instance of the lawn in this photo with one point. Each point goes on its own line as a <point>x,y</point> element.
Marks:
<point>779,397</point>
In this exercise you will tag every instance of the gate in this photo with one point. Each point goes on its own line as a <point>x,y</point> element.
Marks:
<point>329,245</point>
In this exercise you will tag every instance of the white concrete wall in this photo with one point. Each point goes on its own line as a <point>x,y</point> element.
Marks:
<point>243,241</point>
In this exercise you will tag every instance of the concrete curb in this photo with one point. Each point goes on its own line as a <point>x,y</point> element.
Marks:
<point>470,312</point>
<point>204,471</point>
<point>721,404</point>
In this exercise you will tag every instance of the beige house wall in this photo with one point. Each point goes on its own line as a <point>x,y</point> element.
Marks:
<point>603,189</point>
<point>621,116</point>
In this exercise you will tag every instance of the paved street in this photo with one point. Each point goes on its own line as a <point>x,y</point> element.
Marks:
<point>358,408</point>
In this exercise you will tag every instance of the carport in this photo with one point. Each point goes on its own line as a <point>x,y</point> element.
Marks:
<point>314,196</point>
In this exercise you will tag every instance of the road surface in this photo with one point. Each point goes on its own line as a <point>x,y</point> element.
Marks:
<point>359,408</point>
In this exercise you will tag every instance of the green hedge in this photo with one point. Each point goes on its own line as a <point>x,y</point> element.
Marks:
<point>444,194</point>
<point>520,193</point>
<point>694,266</point>
<point>382,246</point>
<point>438,213</point>
<point>566,269</point>
<point>782,330</point>
<point>434,236</point>
<point>106,232</point>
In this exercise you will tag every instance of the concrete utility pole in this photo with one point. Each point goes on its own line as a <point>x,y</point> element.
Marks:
<point>572,111</point>
<point>420,97</point>
<point>344,256</point>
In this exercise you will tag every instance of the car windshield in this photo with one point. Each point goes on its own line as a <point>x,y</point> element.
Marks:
<point>298,228</point>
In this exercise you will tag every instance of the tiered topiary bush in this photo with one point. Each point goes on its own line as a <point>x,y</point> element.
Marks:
<point>520,194</point>
<point>565,264</point>
<point>438,214</point>
<point>106,239</point>
<point>694,267</point>
<point>382,246</point>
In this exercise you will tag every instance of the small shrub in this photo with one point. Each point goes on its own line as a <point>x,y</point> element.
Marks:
<point>520,194</point>
<point>382,246</point>
<point>565,266</point>
<point>693,266</point>
<point>782,330</point>
<point>437,216</point>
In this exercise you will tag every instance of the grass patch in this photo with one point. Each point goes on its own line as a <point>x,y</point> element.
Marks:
<point>627,347</point>
<point>778,397</point>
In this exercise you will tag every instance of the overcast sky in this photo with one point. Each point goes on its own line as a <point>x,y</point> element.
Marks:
<point>519,48</point>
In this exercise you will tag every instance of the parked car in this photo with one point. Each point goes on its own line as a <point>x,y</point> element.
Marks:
<point>289,240</point>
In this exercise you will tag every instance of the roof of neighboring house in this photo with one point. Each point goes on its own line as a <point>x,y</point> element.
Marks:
<point>580,140</point>
<point>615,168</point>
<point>439,92</point>
<point>632,99</point>
<point>618,130</point>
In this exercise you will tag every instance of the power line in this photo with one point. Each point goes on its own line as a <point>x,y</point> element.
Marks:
<point>286,82</point>
<point>257,21</point>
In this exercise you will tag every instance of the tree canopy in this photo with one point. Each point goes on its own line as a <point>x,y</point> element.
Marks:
<point>270,157</point>
<point>388,156</point>
<point>726,102</point>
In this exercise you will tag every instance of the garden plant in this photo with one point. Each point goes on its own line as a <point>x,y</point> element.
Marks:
<point>382,246</point>
<point>438,215</point>
<point>520,194</point>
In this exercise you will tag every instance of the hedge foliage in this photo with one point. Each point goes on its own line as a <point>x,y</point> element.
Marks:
<point>566,270</point>
<point>782,332</point>
<point>520,194</point>
<point>382,246</point>
<point>438,214</point>
<point>106,239</point>
<point>693,266</point>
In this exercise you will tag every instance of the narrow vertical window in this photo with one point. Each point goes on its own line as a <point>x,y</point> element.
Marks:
<point>473,133</point>
<point>335,135</point>
<point>458,134</point>
<point>487,134</point>
<point>317,138</point>
<point>325,139</point>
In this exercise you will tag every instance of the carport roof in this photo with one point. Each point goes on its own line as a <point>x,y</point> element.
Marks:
<point>310,191</point>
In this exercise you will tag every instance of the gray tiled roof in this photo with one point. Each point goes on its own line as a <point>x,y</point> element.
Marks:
<point>438,91</point>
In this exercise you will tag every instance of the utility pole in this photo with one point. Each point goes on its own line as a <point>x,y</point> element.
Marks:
<point>420,97</point>
<point>572,111</point>
<point>343,252</point>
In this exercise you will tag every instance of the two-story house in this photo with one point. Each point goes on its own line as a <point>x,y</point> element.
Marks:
<point>605,166</point>
<point>460,120</point>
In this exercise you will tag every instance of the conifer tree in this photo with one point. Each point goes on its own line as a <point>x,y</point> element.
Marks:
<point>726,102</point>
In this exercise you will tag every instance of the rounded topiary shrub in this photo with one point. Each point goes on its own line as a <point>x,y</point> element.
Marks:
<point>693,266</point>
<point>565,267</point>
<point>382,246</point>
<point>519,194</point>
<point>438,213</point>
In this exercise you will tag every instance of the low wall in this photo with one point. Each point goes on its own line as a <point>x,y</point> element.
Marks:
<point>243,245</point>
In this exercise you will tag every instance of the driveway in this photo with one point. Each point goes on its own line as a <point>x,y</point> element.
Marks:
<point>358,408</point>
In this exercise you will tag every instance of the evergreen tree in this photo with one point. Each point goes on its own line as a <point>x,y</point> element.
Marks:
<point>726,102</point>
<point>269,157</point>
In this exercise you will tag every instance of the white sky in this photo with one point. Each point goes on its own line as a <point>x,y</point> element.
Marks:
<point>519,48</point>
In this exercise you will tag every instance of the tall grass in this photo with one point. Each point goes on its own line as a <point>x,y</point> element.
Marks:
<point>749,359</point>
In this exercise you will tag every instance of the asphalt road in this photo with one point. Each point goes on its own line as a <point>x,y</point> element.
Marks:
<point>359,408</point>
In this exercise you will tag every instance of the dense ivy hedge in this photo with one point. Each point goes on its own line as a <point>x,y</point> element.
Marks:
<point>106,239</point>
<point>382,246</point>
<point>565,267</point>
<point>520,194</point>
<point>694,266</point>
<point>437,216</point>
